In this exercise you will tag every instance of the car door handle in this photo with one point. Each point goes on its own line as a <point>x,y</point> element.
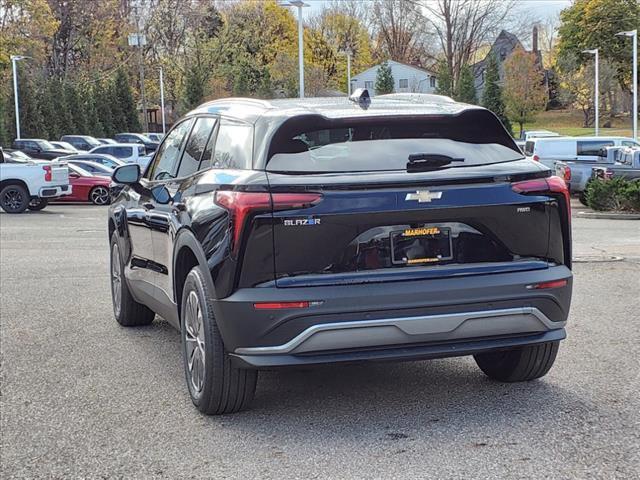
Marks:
<point>148,206</point>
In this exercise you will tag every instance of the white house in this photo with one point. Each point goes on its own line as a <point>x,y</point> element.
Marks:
<point>405,77</point>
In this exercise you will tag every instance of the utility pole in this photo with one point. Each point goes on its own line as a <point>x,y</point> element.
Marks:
<point>139,41</point>
<point>164,124</point>
<point>349,73</point>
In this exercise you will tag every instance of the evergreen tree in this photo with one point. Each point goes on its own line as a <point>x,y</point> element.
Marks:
<point>104,108</point>
<point>127,111</point>
<point>94,123</point>
<point>445,82</point>
<point>384,79</point>
<point>492,93</point>
<point>48,112</point>
<point>76,109</point>
<point>61,123</point>
<point>194,84</point>
<point>31,120</point>
<point>118,118</point>
<point>466,86</point>
<point>5,135</point>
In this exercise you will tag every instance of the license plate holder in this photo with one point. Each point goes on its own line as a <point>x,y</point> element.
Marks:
<point>422,245</point>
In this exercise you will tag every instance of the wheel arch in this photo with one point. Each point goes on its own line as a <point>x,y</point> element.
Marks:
<point>15,181</point>
<point>187,253</point>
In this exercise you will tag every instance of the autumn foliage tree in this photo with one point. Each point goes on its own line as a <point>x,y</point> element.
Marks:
<point>524,91</point>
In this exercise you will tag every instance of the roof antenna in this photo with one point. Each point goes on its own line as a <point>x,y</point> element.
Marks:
<point>361,97</point>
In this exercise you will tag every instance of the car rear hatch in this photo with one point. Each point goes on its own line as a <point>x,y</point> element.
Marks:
<point>349,207</point>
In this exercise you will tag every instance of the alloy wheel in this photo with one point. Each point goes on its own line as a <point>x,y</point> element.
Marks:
<point>116,279</point>
<point>194,341</point>
<point>12,199</point>
<point>100,196</point>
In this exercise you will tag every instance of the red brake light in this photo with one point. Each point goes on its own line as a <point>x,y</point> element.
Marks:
<point>279,305</point>
<point>242,204</point>
<point>536,158</point>
<point>47,173</point>
<point>566,174</point>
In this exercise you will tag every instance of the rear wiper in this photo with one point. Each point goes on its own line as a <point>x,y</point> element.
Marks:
<point>421,162</point>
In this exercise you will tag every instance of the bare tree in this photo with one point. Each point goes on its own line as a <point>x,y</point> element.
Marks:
<point>400,30</point>
<point>462,26</point>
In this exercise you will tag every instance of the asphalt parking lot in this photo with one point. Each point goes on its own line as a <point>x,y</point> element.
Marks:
<point>83,397</point>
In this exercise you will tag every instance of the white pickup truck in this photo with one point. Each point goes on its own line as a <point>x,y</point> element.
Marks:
<point>31,184</point>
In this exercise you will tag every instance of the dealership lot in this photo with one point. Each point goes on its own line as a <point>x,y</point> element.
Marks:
<point>83,397</point>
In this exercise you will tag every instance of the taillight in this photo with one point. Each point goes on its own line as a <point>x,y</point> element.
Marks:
<point>241,205</point>
<point>536,158</point>
<point>47,173</point>
<point>566,174</point>
<point>542,185</point>
<point>546,285</point>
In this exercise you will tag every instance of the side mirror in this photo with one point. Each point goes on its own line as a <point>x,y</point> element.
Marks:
<point>161,194</point>
<point>127,174</point>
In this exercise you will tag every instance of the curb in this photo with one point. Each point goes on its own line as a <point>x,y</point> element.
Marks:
<point>610,215</point>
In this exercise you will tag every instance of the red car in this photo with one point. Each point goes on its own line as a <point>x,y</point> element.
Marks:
<point>87,187</point>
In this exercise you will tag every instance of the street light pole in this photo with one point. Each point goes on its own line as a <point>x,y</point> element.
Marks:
<point>597,93</point>
<point>299,4</point>
<point>143,97</point>
<point>164,128</point>
<point>14,59</point>
<point>634,113</point>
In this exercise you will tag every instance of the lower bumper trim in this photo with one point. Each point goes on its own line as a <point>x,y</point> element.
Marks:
<point>398,354</point>
<point>411,330</point>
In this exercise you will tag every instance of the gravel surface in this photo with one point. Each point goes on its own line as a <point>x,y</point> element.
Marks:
<point>83,397</point>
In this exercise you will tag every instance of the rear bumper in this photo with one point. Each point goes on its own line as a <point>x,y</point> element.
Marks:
<point>401,320</point>
<point>54,191</point>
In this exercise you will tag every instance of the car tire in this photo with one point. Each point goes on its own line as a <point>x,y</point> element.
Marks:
<point>14,198</point>
<point>215,385</point>
<point>38,204</point>
<point>520,364</point>
<point>99,195</point>
<point>583,199</point>
<point>127,311</point>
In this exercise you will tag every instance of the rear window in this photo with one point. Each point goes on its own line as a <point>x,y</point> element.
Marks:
<point>386,144</point>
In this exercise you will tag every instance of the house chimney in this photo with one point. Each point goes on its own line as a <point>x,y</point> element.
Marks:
<point>534,40</point>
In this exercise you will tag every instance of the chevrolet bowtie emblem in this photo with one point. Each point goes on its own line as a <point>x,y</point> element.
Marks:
<point>423,196</point>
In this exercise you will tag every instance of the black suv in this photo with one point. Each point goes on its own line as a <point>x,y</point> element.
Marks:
<point>302,232</point>
<point>83,143</point>
<point>40,149</point>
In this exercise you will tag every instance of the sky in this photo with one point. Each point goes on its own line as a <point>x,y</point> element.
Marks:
<point>541,9</point>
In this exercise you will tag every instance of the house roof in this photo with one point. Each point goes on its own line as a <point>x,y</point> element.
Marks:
<point>393,62</point>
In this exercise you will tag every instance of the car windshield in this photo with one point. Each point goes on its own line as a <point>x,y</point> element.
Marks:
<point>386,146</point>
<point>44,145</point>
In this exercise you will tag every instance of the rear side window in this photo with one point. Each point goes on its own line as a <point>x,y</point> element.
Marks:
<point>122,152</point>
<point>190,162</point>
<point>234,145</point>
<point>593,147</point>
<point>475,137</point>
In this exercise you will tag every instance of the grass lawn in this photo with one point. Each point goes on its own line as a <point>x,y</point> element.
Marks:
<point>569,122</point>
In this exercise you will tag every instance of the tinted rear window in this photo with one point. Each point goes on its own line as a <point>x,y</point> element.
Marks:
<point>385,144</point>
<point>528,148</point>
<point>593,147</point>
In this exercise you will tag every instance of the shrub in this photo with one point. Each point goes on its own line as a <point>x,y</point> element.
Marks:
<point>613,194</point>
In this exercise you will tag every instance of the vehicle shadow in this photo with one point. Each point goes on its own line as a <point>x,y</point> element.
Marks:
<point>393,401</point>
